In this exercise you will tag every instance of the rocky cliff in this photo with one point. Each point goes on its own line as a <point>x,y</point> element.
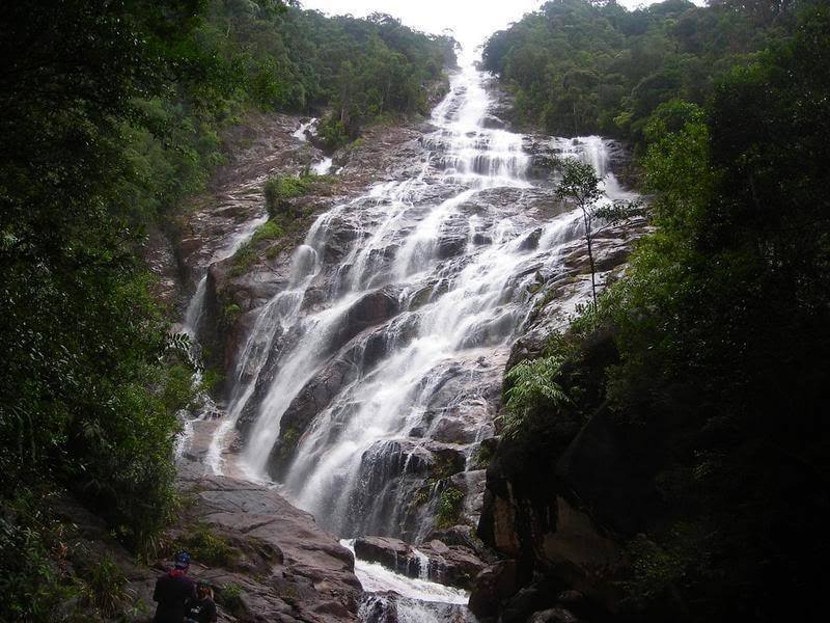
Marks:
<point>535,528</point>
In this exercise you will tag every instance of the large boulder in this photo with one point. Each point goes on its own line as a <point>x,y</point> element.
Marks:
<point>370,310</point>
<point>492,587</point>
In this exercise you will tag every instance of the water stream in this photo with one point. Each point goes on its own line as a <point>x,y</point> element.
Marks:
<point>206,408</point>
<point>381,357</point>
<point>380,364</point>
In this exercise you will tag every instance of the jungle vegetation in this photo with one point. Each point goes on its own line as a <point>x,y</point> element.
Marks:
<point>111,113</point>
<point>708,359</point>
<point>580,67</point>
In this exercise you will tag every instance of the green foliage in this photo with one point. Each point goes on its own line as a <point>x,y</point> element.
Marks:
<point>86,367</point>
<point>243,259</point>
<point>716,337</point>
<point>178,391</point>
<point>108,121</point>
<point>106,589</point>
<point>279,188</point>
<point>449,507</point>
<point>660,571</point>
<point>287,446</point>
<point>301,60</point>
<point>483,455</point>
<point>289,437</point>
<point>659,283</point>
<point>207,547</point>
<point>580,183</point>
<point>229,597</point>
<point>533,386</point>
<point>677,165</point>
<point>579,67</point>
<point>30,580</point>
<point>333,132</point>
<point>269,230</point>
<point>230,314</point>
<point>721,325</point>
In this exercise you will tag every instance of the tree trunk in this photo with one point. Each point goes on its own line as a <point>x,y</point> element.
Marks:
<point>587,221</point>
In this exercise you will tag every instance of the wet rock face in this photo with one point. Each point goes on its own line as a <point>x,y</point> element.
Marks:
<point>452,565</point>
<point>493,586</point>
<point>261,146</point>
<point>258,150</point>
<point>395,485</point>
<point>372,309</point>
<point>388,488</point>
<point>284,566</point>
<point>553,501</point>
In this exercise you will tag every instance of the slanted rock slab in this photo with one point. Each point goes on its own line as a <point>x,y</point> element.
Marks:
<point>288,568</point>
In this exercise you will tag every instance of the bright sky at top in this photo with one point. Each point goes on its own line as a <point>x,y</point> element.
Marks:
<point>470,21</point>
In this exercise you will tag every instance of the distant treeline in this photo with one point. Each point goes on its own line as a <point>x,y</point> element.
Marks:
<point>579,67</point>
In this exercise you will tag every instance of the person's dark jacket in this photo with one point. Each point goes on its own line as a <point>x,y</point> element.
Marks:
<point>202,611</point>
<point>173,591</point>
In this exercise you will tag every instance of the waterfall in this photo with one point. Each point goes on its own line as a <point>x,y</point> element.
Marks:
<point>196,305</point>
<point>309,127</point>
<point>423,564</point>
<point>390,596</point>
<point>206,407</point>
<point>381,363</point>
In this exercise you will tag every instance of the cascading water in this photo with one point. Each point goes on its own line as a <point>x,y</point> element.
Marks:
<point>380,364</point>
<point>190,327</point>
<point>307,129</point>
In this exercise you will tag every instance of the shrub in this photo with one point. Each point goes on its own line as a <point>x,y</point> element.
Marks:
<point>270,230</point>
<point>243,259</point>
<point>533,386</point>
<point>29,576</point>
<point>208,547</point>
<point>449,506</point>
<point>333,132</point>
<point>279,189</point>
<point>106,589</point>
<point>229,597</point>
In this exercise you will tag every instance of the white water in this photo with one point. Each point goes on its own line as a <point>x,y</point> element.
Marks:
<point>375,578</point>
<point>190,326</point>
<point>418,285</point>
<point>323,167</point>
<point>195,307</point>
<point>423,564</point>
<point>309,126</point>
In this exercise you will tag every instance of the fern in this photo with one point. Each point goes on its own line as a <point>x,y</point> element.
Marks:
<point>533,386</point>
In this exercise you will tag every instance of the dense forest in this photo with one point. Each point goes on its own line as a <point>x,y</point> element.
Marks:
<point>707,361</point>
<point>111,113</point>
<point>577,67</point>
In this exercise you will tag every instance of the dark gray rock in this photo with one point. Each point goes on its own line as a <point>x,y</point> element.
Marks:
<point>493,586</point>
<point>452,565</point>
<point>553,615</point>
<point>372,309</point>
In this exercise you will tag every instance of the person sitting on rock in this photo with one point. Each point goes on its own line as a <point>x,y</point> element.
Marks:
<point>203,608</point>
<point>174,590</point>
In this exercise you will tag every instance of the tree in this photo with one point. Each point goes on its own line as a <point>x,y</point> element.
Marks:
<point>581,184</point>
